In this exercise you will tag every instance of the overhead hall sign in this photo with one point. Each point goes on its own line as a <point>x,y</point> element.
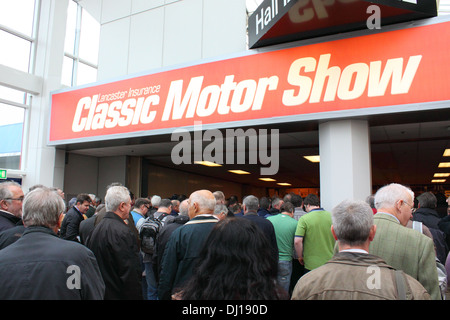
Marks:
<point>278,21</point>
<point>356,73</point>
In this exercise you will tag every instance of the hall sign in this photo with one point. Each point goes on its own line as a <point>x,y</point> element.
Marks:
<point>360,73</point>
<point>278,21</point>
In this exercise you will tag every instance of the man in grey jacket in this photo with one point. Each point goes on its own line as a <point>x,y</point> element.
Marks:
<point>353,273</point>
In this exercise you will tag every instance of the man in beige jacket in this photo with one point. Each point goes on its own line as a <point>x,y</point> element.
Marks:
<point>353,273</point>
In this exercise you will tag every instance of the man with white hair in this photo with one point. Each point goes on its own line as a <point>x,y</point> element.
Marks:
<point>116,248</point>
<point>403,248</point>
<point>11,197</point>
<point>186,242</point>
<point>41,266</point>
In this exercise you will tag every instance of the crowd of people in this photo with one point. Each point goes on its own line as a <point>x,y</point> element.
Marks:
<point>206,246</point>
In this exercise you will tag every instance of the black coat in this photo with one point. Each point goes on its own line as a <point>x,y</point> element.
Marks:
<point>70,226</point>
<point>116,249</point>
<point>7,220</point>
<point>36,267</point>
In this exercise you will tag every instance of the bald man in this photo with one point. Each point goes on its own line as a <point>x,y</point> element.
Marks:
<point>186,242</point>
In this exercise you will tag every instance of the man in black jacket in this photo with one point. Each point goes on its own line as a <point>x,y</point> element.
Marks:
<point>70,226</point>
<point>42,266</point>
<point>11,197</point>
<point>427,214</point>
<point>116,249</point>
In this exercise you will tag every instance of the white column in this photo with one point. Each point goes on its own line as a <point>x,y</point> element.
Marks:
<point>345,164</point>
<point>44,164</point>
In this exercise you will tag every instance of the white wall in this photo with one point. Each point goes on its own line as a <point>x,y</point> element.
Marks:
<point>138,35</point>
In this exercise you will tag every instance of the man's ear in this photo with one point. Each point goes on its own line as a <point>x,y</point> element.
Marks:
<point>334,233</point>
<point>3,205</point>
<point>373,231</point>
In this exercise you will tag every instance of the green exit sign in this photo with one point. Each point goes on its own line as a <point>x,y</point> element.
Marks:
<point>2,173</point>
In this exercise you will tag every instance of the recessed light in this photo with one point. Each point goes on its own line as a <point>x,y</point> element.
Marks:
<point>444,165</point>
<point>208,163</point>
<point>447,153</point>
<point>284,184</point>
<point>239,171</point>
<point>438,180</point>
<point>267,179</point>
<point>441,175</point>
<point>312,158</point>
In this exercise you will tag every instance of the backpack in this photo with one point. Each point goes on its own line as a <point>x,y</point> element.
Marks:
<point>148,231</point>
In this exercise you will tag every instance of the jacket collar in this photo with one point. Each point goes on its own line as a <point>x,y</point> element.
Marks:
<point>361,259</point>
<point>42,229</point>
<point>386,216</point>
<point>9,216</point>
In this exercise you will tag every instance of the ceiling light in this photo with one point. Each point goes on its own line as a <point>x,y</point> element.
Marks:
<point>441,175</point>
<point>447,153</point>
<point>239,171</point>
<point>312,158</point>
<point>444,165</point>
<point>438,180</point>
<point>208,163</point>
<point>267,179</point>
<point>284,184</point>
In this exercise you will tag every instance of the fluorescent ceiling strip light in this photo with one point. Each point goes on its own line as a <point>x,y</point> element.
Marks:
<point>208,163</point>
<point>239,171</point>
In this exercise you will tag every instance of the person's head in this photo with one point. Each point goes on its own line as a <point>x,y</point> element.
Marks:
<point>165,205</point>
<point>397,200</point>
<point>427,200</point>
<point>235,263</point>
<point>155,201</point>
<point>297,200</point>
<point>288,208</point>
<point>311,202</point>
<point>201,202</point>
<point>142,204</point>
<point>118,200</point>
<point>184,208</point>
<point>83,202</point>
<point>43,207</point>
<point>277,203</point>
<point>264,203</point>
<point>352,223</point>
<point>221,211</point>
<point>220,197</point>
<point>175,205</point>
<point>250,204</point>
<point>11,197</point>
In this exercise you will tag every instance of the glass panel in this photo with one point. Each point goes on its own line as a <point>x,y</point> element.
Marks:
<point>11,128</point>
<point>15,51</point>
<point>89,38</point>
<point>12,95</point>
<point>71,25</point>
<point>85,74</point>
<point>17,15</point>
<point>67,70</point>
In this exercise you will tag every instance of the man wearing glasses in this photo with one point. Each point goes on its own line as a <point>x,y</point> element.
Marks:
<point>11,197</point>
<point>401,247</point>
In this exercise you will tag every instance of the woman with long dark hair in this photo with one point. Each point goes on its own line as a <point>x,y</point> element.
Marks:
<point>235,264</point>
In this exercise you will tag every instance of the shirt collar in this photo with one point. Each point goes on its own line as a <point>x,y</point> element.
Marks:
<point>355,251</point>
<point>389,214</point>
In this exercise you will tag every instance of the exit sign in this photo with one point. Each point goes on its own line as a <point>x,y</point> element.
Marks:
<point>2,173</point>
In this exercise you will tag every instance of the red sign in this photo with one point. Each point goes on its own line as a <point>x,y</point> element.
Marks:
<point>400,67</point>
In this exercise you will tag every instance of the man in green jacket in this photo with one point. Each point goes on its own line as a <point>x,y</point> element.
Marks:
<point>402,247</point>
